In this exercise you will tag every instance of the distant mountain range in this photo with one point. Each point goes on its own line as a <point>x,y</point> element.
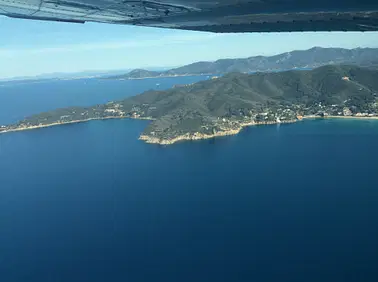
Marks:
<point>312,58</point>
<point>63,75</point>
<point>73,75</point>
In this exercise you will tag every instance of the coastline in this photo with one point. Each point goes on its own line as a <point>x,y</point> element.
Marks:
<point>69,122</point>
<point>188,136</point>
<point>342,117</point>
<point>162,76</point>
<point>352,117</point>
<point>200,136</point>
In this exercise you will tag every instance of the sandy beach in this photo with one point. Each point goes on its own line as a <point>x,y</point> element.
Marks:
<point>342,117</point>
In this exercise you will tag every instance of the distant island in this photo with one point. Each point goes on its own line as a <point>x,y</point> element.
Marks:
<point>307,59</point>
<point>225,105</point>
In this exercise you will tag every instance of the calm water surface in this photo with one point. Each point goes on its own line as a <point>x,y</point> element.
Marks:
<point>89,202</point>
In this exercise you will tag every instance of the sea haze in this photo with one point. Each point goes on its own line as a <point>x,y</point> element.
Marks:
<point>90,202</point>
<point>21,98</point>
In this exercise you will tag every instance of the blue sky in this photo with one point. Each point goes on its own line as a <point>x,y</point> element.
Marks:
<point>29,48</point>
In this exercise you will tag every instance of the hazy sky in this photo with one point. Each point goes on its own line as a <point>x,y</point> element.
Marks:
<point>36,47</point>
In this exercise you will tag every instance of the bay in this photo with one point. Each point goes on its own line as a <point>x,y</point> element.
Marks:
<point>90,202</point>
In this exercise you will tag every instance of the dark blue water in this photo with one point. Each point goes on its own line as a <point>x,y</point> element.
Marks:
<point>89,202</point>
<point>18,100</point>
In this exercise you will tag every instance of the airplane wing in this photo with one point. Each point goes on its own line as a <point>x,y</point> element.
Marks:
<point>207,15</point>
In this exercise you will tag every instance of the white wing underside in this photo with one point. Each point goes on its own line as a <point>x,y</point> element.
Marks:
<point>207,15</point>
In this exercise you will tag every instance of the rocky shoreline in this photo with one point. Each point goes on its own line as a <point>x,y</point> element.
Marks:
<point>188,136</point>
<point>152,139</point>
<point>201,136</point>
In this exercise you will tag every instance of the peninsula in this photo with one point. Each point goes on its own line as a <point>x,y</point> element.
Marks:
<point>223,106</point>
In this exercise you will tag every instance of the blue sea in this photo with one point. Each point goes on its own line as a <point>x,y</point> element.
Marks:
<point>90,202</point>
